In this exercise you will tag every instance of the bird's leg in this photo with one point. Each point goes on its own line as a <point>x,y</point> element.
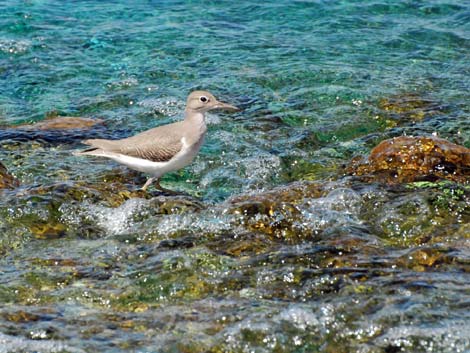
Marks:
<point>161,188</point>
<point>148,182</point>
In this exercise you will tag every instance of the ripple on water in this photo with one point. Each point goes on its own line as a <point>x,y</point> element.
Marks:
<point>240,173</point>
<point>10,344</point>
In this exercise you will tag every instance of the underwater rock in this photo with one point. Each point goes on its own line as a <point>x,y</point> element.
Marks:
<point>7,181</point>
<point>422,259</point>
<point>62,123</point>
<point>21,316</point>
<point>48,230</point>
<point>57,130</point>
<point>408,107</point>
<point>407,159</point>
<point>294,192</point>
<point>112,193</point>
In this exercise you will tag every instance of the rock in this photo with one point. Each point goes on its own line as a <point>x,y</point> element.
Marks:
<point>407,107</point>
<point>112,193</point>
<point>275,212</point>
<point>294,192</point>
<point>48,230</point>
<point>21,316</point>
<point>57,130</point>
<point>62,123</point>
<point>7,181</point>
<point>407,159</point>
<point>179,204</point>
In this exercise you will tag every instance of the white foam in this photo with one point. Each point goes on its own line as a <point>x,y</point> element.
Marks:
<point>300,317</point>
<point>340,207</point>
<point>116,220</point>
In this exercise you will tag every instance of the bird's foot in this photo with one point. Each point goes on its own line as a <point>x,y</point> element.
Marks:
<point>148,182</point>
<point>159,187</point>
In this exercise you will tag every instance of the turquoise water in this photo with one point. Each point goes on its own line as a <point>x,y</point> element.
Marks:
<point>308,74</point>
<point>312,78</point>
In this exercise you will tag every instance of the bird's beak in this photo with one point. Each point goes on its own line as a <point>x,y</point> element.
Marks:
<point>226,106</point>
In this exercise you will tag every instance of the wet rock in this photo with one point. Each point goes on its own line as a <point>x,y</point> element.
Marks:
<point>407,159</point>
<point>417,213</point>
<point>62,123</point>
<point>275,212</point>
<point>240,245</point>
<point>7,181</point>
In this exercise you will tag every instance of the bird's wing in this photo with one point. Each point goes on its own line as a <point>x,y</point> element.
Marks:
<point>158,145</point>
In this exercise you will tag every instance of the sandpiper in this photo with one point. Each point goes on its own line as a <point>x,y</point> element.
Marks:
<point>165,148</point>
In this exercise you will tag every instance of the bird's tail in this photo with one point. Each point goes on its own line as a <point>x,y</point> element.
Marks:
<point>99,147</point>
<point>89,152</point>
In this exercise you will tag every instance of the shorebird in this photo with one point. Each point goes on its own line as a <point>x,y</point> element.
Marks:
<point>164,148</point>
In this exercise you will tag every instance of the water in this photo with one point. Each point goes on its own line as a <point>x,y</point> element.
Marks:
<point>345,268</point>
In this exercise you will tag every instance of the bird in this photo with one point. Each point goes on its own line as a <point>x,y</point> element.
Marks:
<point>165,148</point>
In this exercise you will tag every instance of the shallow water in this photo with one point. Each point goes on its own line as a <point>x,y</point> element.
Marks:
<point>350,267</point>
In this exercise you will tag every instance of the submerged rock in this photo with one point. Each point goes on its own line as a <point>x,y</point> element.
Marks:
<point>7,181</point>
<point>57,130</point>
<point>62,123</point>
<point>408,107</point>
<point>407,159</point>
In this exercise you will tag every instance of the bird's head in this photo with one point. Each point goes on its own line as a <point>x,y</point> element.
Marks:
<point>203,101</point>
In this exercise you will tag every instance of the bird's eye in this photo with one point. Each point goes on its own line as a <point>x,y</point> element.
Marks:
<point>203,99</point>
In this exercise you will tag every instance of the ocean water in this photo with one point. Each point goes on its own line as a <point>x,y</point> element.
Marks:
<point>307,73</point>
<point>313,79</point>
